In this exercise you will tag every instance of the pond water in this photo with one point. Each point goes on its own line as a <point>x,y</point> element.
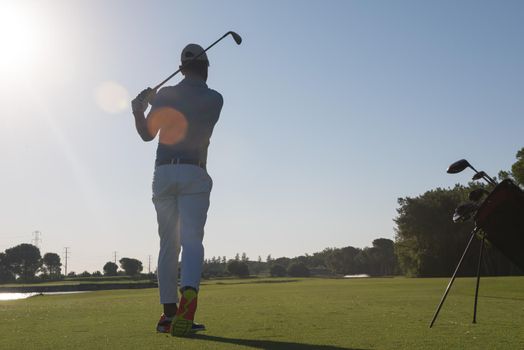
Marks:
<point>356,276</point>
<point>18,296</point>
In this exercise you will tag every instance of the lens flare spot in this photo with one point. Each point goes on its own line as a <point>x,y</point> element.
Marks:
<point>112,97</point>
<point>171,124</point>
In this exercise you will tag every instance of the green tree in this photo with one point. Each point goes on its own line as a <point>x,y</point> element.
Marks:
<point>238,268</point>
<point>343,260</point>
<point>213,268</point>
<point>277,270</point>
<point>52,264</point>
<point>385,255</point>
<point>23,260</point>
<point>5,272</point>
<point>517,169</point>
<point>332,260</point>
<point>110,269</point>
<point>131,266</point>
<point>427,242</point>
<point>298,269</point>
<point>282,261</point>
<point>366,262</point>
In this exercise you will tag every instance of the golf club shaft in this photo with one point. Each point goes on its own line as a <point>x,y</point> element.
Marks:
<point>485,177</point>
<point>189,62</point>
<point>490,181</point>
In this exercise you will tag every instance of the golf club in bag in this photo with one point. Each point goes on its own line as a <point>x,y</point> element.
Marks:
<point>499,219</point>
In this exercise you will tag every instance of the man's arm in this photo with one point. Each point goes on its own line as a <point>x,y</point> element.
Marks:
<point>141,126</point>
<point>139,105</point>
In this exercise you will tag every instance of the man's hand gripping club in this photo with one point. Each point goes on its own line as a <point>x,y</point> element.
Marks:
<point>141,102</point>
<point>139,106</point>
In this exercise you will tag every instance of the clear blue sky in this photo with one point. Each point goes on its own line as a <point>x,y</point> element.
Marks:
<point>333,110</point>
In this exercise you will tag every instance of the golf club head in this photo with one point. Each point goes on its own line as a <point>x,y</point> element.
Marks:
<point>458,166</point>
<point>479,175</point>
<point>464,212</point>
<point>236,37</point>
<point>476,195</point>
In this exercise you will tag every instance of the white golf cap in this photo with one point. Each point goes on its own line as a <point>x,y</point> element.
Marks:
<point>191,51</point>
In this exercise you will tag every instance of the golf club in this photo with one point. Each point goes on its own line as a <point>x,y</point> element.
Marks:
<point>462,164</point>
<point>235,36</point>
<point>476,195</point>
<point>486,177</point>
<point>459,166</point>
<point>478,175</point>
<point>464,212</point>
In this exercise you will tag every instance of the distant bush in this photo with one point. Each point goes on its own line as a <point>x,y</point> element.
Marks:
<point>298,270</point>
<point>96,274</point>
<point>85,274</point>
<point>238,268</point>
<point>277,271</point>
<point>131,266</point>
<point>283,261</point>
<point>110,269</point>
<point>6,276</point>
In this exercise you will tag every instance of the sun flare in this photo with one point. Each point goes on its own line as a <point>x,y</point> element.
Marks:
<point>21,37</point>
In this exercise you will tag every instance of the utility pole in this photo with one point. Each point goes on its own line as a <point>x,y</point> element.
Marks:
<point>114,254</point>
<point>66,256</point>
<point>37,239</point>
<point>149,264</point>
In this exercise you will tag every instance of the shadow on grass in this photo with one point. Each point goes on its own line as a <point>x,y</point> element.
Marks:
<point>504,298</point>
<point>252,281</point>
<point>269,344</point>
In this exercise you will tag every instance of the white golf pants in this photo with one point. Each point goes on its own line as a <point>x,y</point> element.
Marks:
<point>181,198</point>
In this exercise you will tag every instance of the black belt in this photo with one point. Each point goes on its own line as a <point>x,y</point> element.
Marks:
<point>181,161</point>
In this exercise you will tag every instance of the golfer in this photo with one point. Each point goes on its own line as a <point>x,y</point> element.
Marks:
<point>184,116</point>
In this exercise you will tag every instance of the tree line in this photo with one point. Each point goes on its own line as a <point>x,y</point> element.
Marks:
<point>377,260</point>
<point>24,263</point>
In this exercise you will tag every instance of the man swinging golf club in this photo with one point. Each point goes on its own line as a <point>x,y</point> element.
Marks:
<point>184,116</point>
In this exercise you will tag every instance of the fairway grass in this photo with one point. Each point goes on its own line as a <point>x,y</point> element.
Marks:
<point>304,314</point>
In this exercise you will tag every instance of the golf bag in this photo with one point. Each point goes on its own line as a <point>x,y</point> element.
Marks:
<point>501,218</point>
<point>500,221</point>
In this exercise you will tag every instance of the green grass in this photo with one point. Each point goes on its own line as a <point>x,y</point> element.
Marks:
<point>304,314</point>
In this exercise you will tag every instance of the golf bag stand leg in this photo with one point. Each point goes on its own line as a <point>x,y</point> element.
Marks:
<point>478,280</point>
<point>452,278</point>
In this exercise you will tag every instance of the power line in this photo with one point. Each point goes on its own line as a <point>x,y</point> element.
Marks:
<point>66,256</point>
<point>37,239</point>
